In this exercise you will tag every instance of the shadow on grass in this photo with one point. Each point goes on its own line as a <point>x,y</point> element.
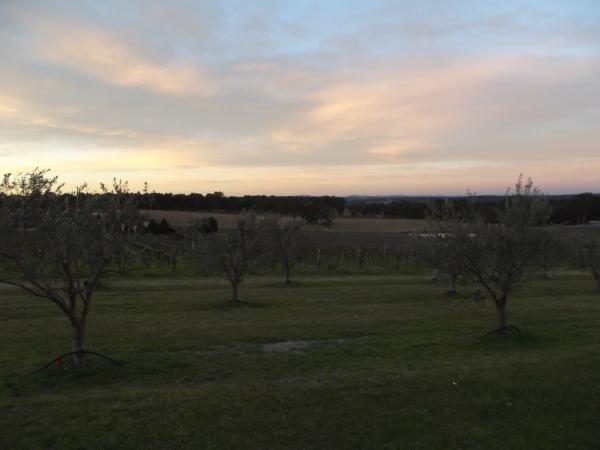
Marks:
<point>280,285</point>
<point>240,304</point>
<point>54,379</point>
<point>512,341</point>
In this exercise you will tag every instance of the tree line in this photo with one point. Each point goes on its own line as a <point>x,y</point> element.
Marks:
<point>297,206</point>
<point>566,209</point>
<point>321,210</point>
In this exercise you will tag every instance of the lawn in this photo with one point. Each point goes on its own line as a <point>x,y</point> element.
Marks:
<point>344,362</point>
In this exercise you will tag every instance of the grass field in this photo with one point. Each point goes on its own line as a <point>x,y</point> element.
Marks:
<point>356,228</point>
<point>345,362</point>
<point>349,224</point>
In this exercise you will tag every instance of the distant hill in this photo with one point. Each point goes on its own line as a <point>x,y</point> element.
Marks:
<point>391,198</point>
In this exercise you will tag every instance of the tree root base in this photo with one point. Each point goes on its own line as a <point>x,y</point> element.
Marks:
<point>504,331</point>
<point>450,293</point>
<point>84,352</point>
<point>238,303</point>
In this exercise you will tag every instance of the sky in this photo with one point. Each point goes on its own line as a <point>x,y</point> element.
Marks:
<point>304,97</point>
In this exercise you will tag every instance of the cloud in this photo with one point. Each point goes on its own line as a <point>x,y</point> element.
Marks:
<point>398,111</point>
<point>18,112</point>
<point>103,56</point>
<point>375,96</point>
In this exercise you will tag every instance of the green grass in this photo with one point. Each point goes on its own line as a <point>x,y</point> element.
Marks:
<point>394,365</point>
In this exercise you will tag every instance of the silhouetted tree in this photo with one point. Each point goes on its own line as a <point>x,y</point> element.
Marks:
<point>208,225</point>
<point>162,227</point>
<point>287,243</point>
<point>496,255</point>
<point>435,251</point>
<point>553,253</point>
<point>585,253</point>
<point>236,252</point>
<point>59,247</point>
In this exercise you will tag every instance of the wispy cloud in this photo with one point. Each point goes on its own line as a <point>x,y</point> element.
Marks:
<point>100,55</point>
<point>18,112</point>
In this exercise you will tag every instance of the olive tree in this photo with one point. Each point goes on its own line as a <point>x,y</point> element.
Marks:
<point>585,254</point>
<point>496,254</point>
<point>58,246</point>
<point>288,244</point>
<point>236,252</point>
<point>555,253</point>
<point>435,251</point>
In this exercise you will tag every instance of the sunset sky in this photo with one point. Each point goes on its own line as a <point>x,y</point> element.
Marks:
<point>304,97</point>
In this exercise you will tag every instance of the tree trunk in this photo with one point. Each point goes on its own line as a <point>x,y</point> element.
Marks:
<point>502,319</point>
<point>286,274</point>
<point>451,284</point>
<point>545,273</point>
<point>597,278</point>
<point>235,292</point>
<point>79,359</point>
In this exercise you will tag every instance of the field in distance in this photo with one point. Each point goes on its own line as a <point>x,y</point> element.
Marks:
<point>227,221</point>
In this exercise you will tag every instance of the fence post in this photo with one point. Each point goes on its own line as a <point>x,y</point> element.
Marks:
<point>318,261</point>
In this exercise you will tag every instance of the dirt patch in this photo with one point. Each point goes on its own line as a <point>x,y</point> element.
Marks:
<point>300,346</point>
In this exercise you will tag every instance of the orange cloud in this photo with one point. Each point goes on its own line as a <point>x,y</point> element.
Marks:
<point>17,111</point>
<point>103,56</point>
<point>401,110</point>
